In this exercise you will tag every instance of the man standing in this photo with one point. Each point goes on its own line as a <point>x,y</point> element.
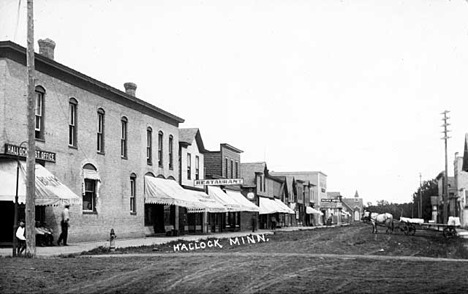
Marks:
<point>64,224</point>
<point>21,238</point>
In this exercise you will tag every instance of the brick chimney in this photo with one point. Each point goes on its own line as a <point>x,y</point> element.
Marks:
<point>130,88</point>
<point>46,48</point>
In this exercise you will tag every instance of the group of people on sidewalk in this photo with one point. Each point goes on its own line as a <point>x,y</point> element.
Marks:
<point>44,235</point>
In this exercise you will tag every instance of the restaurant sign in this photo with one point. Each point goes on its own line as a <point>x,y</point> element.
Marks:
<point>23,151</point>
<point>219,182</point>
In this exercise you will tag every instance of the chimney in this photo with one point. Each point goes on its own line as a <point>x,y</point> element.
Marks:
<point>130,88</point>
<point>46,48</point>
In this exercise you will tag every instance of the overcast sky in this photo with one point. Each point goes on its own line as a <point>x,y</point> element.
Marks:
<point>354,89</point>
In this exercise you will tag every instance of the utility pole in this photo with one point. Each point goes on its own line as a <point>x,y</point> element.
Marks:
<point>445,188</point>
<point>30,212</point>
<point>420,198</point>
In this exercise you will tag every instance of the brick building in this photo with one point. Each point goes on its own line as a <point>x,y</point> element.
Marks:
<point>105,142</point>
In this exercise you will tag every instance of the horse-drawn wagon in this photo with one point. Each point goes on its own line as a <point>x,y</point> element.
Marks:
<point>410,225</point>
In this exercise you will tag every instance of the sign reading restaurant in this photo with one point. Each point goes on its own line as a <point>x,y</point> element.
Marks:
<point>219,182</point>
<point>23,151</point>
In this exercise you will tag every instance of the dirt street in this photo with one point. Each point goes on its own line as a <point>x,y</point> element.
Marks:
<point>333,260</point>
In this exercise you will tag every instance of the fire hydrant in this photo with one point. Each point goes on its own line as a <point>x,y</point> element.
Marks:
<point>112,238</point>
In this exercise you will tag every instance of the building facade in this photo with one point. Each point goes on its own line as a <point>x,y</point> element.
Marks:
<point>317,183</point>
<point>354,206</point>
<point>105,141</point>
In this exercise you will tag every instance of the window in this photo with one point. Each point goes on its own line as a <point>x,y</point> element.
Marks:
<point>149,140</point>
<point>232,169</point>
<point>89,198</point>
<point>197,168</point>
<point>171,152</point>
<point>132,193</point>
<point>123,138</point>
<point>91,177</point>
<point>72,123</point>
<point>260,183</point>
<point>100,131</point>
<point>226,167</point>
<point>39,113</point>
<point>189,166</point>
<point>237,170</point>
<point>160,149</point>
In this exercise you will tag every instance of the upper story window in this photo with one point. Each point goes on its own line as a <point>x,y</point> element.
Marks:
<point>160,149</point>
<point>232,169</point>
<point>123,137</point>
<point>226,168</point>
<point>237,170</point>
<point>189,166</point>
<point>260,183</point>
<point>39,113</point>
<point>171,152</point>
<point>132,193</point>
<point>149,143</point>
<point>100,131</point>
<point>197,168</point>
<point>72,125</point>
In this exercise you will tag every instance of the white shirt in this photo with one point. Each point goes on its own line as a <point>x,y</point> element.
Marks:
<point>65,215</point>
<point>20,233</point>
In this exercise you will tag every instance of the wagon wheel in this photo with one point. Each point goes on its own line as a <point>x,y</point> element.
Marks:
<point>404,228</point>
<point>449,232</point>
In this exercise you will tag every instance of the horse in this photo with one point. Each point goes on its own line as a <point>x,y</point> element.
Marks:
<point>376,219</point>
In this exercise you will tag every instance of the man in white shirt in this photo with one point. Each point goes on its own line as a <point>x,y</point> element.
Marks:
<point>21,238</point>
<point>64,224</point>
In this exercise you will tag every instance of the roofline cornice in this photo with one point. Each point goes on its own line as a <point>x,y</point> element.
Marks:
<point>59,71</point>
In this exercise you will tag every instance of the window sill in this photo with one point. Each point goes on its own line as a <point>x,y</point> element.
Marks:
<point>124,157</point>
<point>89,212</point>
<point>40,139</point>
<point>149,163</point>
<point>101,152</point>
<point>133,213</point>
<point>73,147</point>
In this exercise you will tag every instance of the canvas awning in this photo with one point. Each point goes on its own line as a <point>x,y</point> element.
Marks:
<point>283,206</point>
<point>169,192</point>
<point>268,206</point>
<point>244,202</point>
<point>310,210</point>
<point>49,190</point>
<point>211,205</point>
<point>221,197</point>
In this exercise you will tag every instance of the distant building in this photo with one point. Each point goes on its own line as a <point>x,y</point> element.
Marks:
<point>354,206</point>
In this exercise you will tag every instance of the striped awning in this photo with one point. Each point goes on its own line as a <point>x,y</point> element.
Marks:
<point>49,191</point>
<point>169,192</point>
<point>210,203</point>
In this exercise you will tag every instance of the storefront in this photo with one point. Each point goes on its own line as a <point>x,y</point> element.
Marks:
<point>272,210</point>
<point>166,206</point>
<point>50,196</point>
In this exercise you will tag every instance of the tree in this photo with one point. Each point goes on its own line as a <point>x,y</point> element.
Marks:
<point>424,192</point>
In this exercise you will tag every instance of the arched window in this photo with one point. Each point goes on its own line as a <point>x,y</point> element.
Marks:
<point>91,178</point>
<point>123,137</point>
<point>72,122</point>
<point>149,142</point>
<point>100,131</point>
<point>171,152</point>
<point>39,113</point>
<point>160,149</point>
<point>133,193</point>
